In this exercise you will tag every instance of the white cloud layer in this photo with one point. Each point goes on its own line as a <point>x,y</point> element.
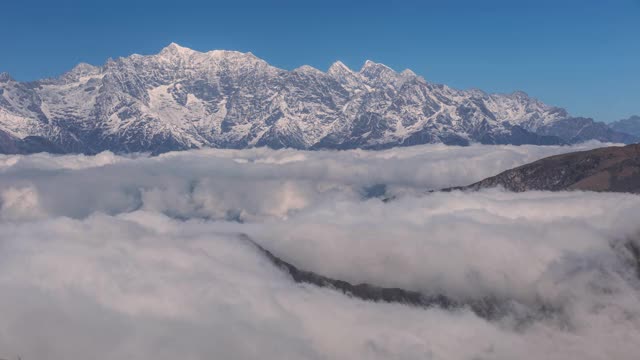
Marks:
<point>111,257</point>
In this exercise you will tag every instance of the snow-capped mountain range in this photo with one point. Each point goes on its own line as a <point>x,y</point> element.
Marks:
<point>181,99</point>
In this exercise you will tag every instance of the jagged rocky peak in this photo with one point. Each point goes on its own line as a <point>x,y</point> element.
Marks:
<point>339,68</point>
<point>524,99</point>
<point>232,54</point>
<point>519,94</point>
<point>475,92</point>
<point>182,98</point>
<point>5,77</point>
<point>308,69</point>
<point>381,75</point>
<point>344,75</point>
<point>408,73</point>
<point>371,65</point>
<point>175,49</point>
<point>214,60</point>
<point>82,70</point>
<point>373,70</point>
<point>173,54</point>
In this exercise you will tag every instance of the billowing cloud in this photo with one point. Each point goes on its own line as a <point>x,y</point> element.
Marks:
<point>244,184</point>
<point>112,257</point>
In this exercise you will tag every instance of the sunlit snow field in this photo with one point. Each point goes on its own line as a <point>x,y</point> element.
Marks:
<point>138,257</point>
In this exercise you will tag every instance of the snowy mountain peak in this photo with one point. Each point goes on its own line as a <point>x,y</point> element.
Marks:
<point>84,69</point>
<point>338,67</point>
<point>476,92</point>
<point>231,53</point>
<point>374,66</point>
<point>345,76</point>
<point>183,99</point>
<point>379,74</point>
<point>308,69</point>
<point>407,73</point>
<point>176,49</point>
<point>519,94</point>
<point>5,77</point>
<point>339,70</point>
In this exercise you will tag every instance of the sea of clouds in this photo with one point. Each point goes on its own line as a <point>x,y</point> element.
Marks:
<point>138,257</point>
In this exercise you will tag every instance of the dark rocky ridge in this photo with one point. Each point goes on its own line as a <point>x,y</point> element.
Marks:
<point>29,145</point>
<point>615,169</point>
<point>489,308</point>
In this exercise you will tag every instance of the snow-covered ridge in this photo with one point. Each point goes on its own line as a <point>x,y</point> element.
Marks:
<point>181,98</point>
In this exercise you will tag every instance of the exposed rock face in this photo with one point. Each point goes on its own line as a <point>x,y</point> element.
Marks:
<point>183,99</point>
<point>614,169</point>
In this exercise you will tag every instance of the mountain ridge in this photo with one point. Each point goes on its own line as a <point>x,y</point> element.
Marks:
<point>182,99</point>
<point>630,125</point>
<point>607,169</point>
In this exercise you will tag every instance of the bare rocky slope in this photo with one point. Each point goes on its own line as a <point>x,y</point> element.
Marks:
<point>183,99</point>
<point>615,169</point>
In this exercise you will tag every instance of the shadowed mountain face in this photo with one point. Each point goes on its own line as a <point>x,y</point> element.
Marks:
<point>614,169</point>
<point>629,126</point>
<point>183,99</point>
<point>31,144</point>
<point>579,129</point>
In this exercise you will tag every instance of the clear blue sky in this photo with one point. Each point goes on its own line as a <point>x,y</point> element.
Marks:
<point>581,55</point>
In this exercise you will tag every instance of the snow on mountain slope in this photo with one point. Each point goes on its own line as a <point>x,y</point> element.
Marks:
<point>181,99</point>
